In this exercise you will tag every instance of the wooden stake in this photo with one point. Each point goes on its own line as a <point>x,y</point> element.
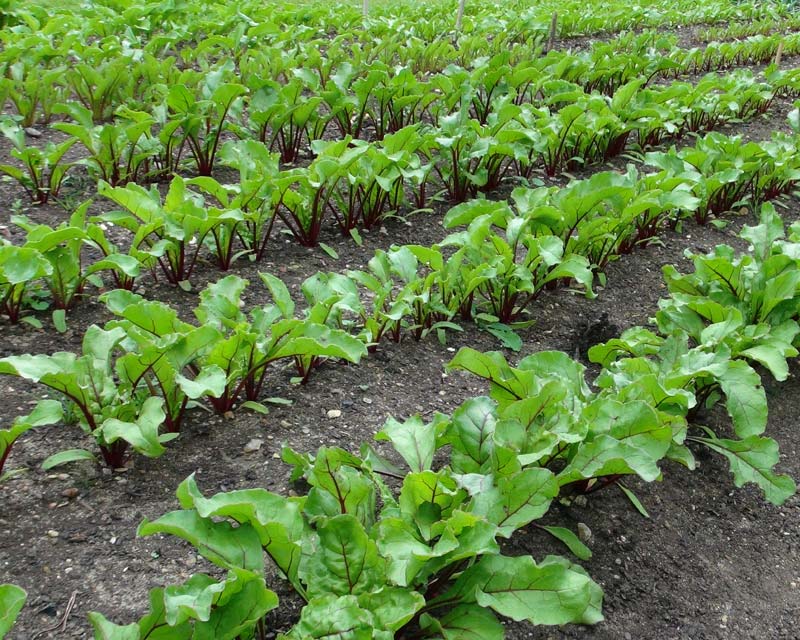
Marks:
<point>460,15</point>
<point>551,38</point>
<point>778,54</point>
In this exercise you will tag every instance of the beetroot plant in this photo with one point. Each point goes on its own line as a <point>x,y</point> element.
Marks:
<point>420,565</point>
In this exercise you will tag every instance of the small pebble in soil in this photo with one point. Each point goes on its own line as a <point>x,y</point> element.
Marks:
<point>366,400</point>
<point>584,532</point>
<point>253,445</point>
<point>52,533</point>
<point>334,413</point>
<point>72,492</point>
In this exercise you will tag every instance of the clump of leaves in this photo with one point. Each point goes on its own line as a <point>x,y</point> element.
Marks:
<point>420,565</point>
<point>21,268</point>
<point>44,170</point>
<point>249,344</point>
<point>105,406</point>
<point>748,304</point>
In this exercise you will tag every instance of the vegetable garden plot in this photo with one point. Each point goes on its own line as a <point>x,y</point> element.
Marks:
<point>431,516</point>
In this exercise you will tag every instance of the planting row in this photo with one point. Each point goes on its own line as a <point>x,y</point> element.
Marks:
<point>484,131</point>
<point>341,86</point>
<point>583,225</point>
<point>421,35</point>
<point>406,546</point>
<point>739,30</point>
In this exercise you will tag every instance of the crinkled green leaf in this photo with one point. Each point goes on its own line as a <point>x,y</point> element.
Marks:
<point>605,456</point>
<point>339,487</point>
<point>334,617</point>
<point>209,382</point>
<point>244,602</point>
<point>412,439</point>
<point>517,500</point>
<point>277,520</point>
<point>518,588</point>
<point>223,544</point>
<point>143,434</point>
<point>392,606</point>
<point>745,398</point>
<point>752,460</point>
<point>345,562</point>
<point>465,622</point>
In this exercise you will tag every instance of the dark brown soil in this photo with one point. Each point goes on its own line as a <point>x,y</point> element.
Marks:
<point>712,561</point>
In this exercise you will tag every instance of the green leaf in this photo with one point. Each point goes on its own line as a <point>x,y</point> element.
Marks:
<point>605,456</point>
<point>276,519</point>
<point>464,622</point>
<point>255,407</point>
<point>745,398</point>
<point>329,616</point>
<point>221,543</point>
<point>19,265</point>
<point>329,250</point>
<point>339,486</point>
<point>405,552</point>
<point>392,606</point>
<point>470,434</point>
<point>209,382</point>
<point>70,455</point>
<point>634,500</point>
<point>752,460</point>
<point>412,439</point>
<point>572,541</point>
<point>192,599</point>
<point>142,434</point>
<point>60,320</point>
<point>518,588</point>
<point>508,337</point>
<point>345,562</point>
<point>153,626</point>
<point>105,630</point>
<point>280,294</point>
<point>428,499</point>
<point>506,384</point>
<point>12,599</point>
<point>34,322</point>
<point>771,357</point>
<point>284,402</point>
<point>244,602</point>
<point>44,413</point>
<point>517,500</point>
